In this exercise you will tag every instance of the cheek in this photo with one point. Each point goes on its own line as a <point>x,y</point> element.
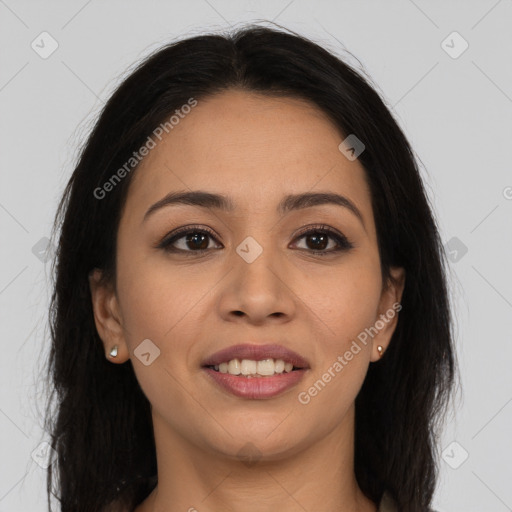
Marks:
<point>159,304</point>
<point>347,300</point>
<point>156,298</point>
<point>347,303</point>
<point>167,305</point>
<point>347,307</point>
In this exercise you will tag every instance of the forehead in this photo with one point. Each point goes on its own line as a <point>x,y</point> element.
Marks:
<point>252,147</point>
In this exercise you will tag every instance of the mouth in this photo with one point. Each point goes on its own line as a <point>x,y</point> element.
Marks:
<point>249,360</point>
<point>251,368</point>
<point>256,371</point>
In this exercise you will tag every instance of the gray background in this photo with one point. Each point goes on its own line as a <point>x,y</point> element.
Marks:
<point>456,112</point>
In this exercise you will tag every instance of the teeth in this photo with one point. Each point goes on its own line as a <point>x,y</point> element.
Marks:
<point>248,367</point>
<point>234,367</point>
<point>265,367</point>
<point>251,368</point>
<point>279,366</point>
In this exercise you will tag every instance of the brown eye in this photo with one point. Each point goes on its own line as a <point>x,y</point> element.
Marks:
<point>187,240</point>
<point>323,241</point>
<point>197,241</point>
<point>317,241</point>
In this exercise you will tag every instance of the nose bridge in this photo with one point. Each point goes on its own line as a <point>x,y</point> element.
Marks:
<point>257,263</point>
<point>256,287</point>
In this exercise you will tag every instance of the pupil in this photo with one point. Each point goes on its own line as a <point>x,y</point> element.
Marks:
<point>318,237</point>
<point>197,237</point>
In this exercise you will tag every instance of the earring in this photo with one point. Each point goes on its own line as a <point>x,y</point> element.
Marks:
<point>113,351</point>
<point>380,350</point>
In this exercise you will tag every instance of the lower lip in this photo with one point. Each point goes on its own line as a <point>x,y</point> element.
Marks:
<point>256,388</point>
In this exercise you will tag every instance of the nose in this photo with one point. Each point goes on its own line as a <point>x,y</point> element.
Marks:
<point>257,292</point>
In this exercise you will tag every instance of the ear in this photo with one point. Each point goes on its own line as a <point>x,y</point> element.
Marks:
<point>389,306</point>
<point>107,317</point>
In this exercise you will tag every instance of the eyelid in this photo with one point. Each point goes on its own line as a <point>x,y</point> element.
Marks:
<point>318,227</point>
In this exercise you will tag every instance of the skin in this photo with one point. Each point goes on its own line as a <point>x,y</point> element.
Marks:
<point>255,149</point>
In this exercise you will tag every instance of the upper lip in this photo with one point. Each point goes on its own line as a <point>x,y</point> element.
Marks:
<point>257,353</point>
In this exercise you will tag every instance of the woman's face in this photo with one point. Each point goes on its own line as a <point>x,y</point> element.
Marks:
<point>257,281</point>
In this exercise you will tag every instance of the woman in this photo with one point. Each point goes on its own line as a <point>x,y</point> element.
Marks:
<point>250,308</point>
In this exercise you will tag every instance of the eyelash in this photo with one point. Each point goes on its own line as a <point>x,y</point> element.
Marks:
<point>343,243</point>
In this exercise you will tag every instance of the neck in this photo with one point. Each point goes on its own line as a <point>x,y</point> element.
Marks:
<point>317,477</point>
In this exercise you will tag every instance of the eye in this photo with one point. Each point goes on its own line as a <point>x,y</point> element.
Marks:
<point>187,239</point>
<point>193,239</point>
<point>317,240</point>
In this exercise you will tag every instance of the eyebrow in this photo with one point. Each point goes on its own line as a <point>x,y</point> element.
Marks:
<point>220,202</point>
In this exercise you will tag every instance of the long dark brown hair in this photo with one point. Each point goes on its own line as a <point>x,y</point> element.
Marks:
<point>100,425</point>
